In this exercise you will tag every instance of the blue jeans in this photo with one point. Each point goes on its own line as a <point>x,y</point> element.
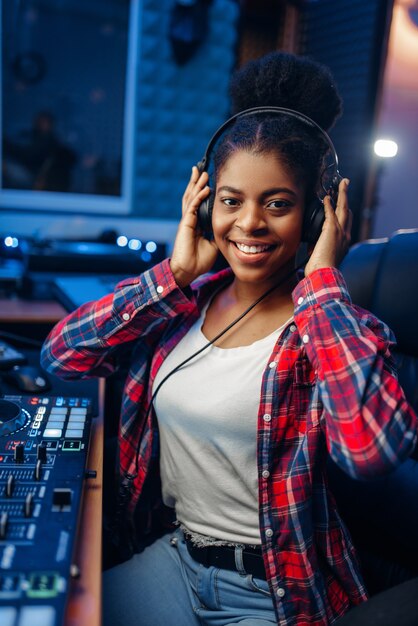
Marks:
<point>164,586</point>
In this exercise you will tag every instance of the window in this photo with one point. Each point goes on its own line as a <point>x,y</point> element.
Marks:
<point>67,80</point>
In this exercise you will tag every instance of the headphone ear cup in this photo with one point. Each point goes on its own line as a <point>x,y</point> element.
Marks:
<point>204,216</point>
<point>313,220</point>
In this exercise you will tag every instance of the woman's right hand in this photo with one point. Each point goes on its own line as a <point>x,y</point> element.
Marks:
<point>193,255</point>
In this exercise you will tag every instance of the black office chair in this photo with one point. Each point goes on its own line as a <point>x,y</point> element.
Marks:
<point>382,515</point>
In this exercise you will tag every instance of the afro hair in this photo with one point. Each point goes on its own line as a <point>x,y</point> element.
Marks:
<point>286,80</point>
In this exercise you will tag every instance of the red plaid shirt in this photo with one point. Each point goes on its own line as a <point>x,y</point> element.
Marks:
<point>329,388</point>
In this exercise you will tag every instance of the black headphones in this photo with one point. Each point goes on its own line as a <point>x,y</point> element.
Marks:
<point>314,212</point>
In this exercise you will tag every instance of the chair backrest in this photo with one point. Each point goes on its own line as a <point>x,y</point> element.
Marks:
<point>382,276</point>
<point>382,514</point>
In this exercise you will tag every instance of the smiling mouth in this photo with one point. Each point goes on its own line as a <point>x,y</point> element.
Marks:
<point>253,249</point>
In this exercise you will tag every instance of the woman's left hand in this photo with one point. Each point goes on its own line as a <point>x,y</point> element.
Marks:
<point>335,237</point>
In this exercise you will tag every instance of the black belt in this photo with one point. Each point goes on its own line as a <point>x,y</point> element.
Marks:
<point>224,558</point>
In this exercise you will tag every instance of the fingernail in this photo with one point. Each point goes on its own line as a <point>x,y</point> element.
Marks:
<point>347,181</point>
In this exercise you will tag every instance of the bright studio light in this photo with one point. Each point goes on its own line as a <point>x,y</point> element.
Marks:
<point>386,148</point>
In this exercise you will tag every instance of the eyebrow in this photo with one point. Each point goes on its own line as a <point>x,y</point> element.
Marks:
<point>265,194</point>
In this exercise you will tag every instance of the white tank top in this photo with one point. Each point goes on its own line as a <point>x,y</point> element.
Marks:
<point>207,416</point>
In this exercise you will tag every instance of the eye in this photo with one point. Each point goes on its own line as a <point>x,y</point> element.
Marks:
<point>278,207</point>
<point>232,202</point>
<point>278,204</point>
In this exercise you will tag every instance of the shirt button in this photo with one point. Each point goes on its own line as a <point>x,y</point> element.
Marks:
<point>160,289</point>
<point>126,317</point>
<point>272,364</point>
<point>300,299</point>
<point>280,592</point>
<point>269,532</point>
<point>305,338</point>
<point>293,328</point>
<point>267,417</point>
<point>265,474</point>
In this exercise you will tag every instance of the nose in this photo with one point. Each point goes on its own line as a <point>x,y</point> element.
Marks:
<point>251,218</point>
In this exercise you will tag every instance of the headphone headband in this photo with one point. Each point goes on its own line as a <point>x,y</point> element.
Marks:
<point>268,109</point>
<point>314,213</point>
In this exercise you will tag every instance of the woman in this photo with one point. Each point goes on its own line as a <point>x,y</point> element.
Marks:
<point>238,423</point>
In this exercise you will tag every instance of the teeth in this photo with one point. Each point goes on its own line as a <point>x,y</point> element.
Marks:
<point>251,249</point>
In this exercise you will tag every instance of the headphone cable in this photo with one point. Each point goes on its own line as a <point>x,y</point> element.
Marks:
<point>126,484</point>
<point>203,348</point>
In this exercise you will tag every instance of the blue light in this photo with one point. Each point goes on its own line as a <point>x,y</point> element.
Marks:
<point>135,244</point>
<point>11,242</point>
<point>145,256</point>
<point>122,241</point>
<point>151,246</point>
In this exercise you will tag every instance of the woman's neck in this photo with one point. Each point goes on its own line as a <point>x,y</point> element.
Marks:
<point>268,315</point>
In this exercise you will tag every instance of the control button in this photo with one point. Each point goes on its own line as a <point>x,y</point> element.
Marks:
<point>281,592</point>
<point>59,410</point>
<point>126,317</point>
<point>50,445</point>
<point>62,497</point>
<point>28,505</point>
<point>37,616</point>
<point>53,432</point>
<point>4,520</point>
<point>10,485</point>
<point>55,424</point>
<point>43,585</point>
<point>41,452</point>
<point>76,419</point>
<point>8,615</point>
<point>78,411</point>
<point>19,454</point>
<point>72,433</point>
<point>71,446</point>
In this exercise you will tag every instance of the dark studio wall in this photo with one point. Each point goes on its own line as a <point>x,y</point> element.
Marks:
<point>350,36</point>
<point>179,105</point>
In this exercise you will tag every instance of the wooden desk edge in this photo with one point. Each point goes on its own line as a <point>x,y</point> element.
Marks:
<point>30,311</point>
<point>84,607</point>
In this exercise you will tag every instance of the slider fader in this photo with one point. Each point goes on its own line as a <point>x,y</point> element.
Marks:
<point>43,451</point>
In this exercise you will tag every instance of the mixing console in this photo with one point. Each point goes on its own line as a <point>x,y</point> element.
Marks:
<point>43,451</point>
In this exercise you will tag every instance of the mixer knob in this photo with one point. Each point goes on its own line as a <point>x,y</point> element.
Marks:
<point>10,485</point>
<point>4,520</point>
<point>20,453</point>
<point>28,505</point>
<point>38,470</point>
<point>41,452</point>
<point>11,417</point>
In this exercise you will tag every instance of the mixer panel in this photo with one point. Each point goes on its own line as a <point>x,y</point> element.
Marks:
<point>43,450</point>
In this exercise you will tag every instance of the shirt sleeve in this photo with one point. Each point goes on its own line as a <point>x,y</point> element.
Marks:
<point>369,425</point>
<point>84,343</point>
